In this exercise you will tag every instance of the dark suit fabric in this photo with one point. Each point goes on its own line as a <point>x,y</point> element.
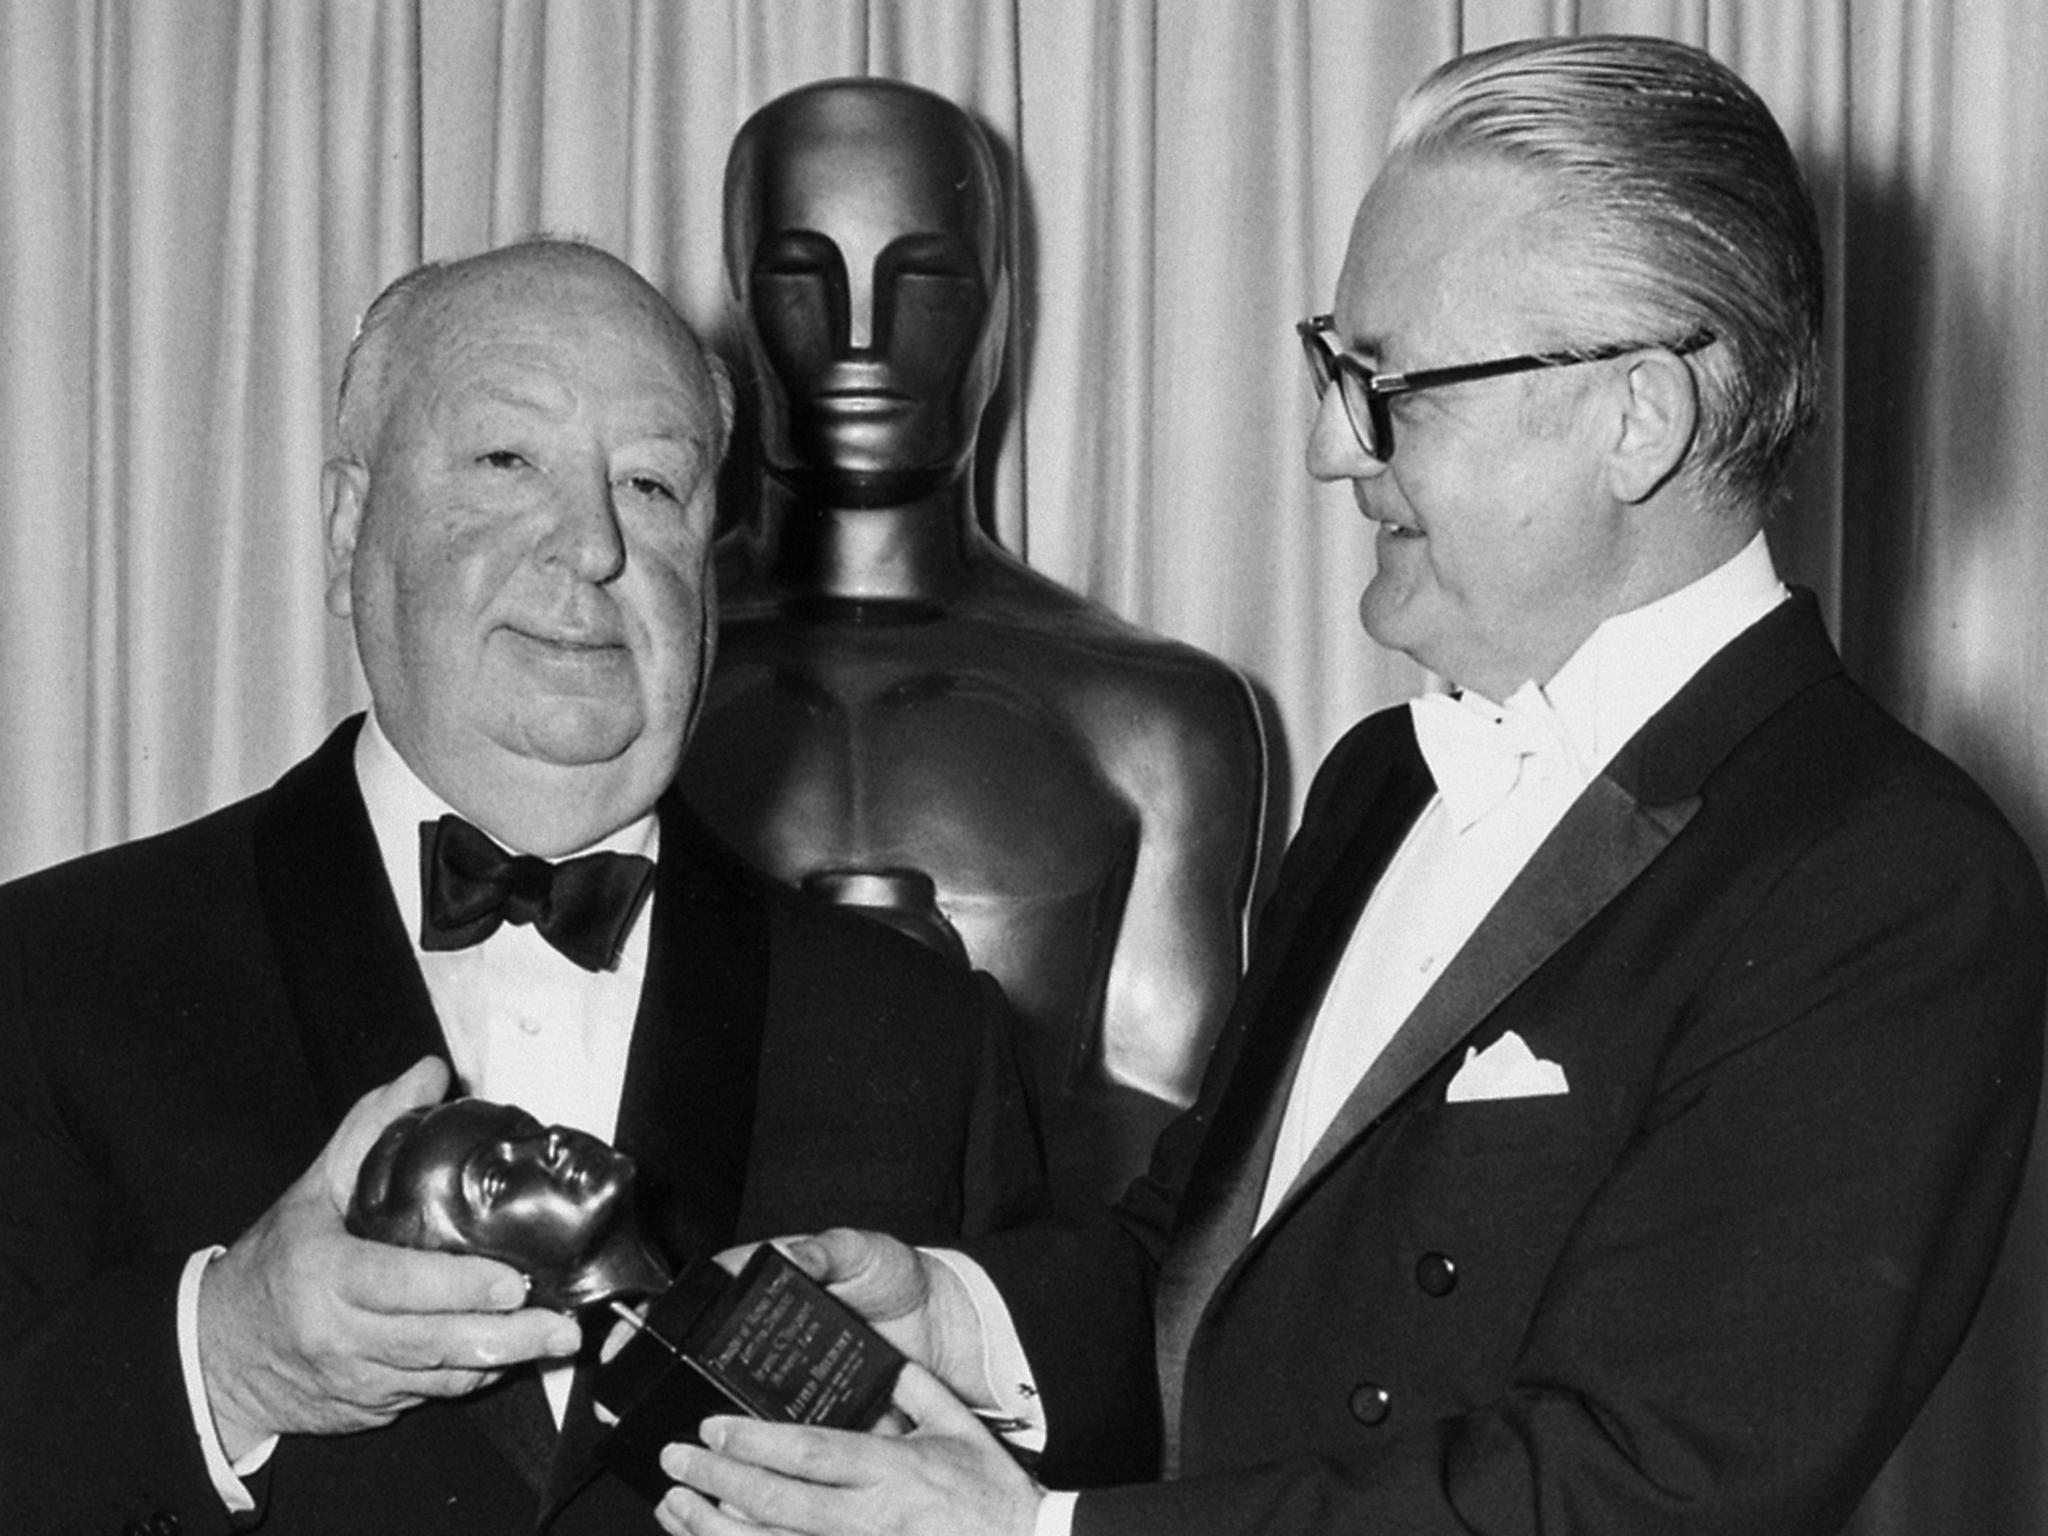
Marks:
<point>185,1019</point>
<point>1790,961</point>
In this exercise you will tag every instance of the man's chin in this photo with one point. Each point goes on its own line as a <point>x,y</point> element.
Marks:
<point>575,733</point>
<point>1380,613</point>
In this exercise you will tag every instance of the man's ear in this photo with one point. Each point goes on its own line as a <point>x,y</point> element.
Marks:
<point>344,491</point>
<point>1659,419</point>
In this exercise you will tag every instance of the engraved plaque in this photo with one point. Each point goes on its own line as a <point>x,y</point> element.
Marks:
<point>769,1342</point>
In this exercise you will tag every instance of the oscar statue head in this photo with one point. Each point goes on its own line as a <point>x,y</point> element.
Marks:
<point>865,250</point>
<point>472,1177</point>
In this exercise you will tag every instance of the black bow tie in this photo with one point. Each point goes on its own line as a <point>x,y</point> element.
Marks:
<point>583,906</point>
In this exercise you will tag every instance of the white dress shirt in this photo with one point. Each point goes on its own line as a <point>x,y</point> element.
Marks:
<point>524,1025</point>
<point>1451,869</point>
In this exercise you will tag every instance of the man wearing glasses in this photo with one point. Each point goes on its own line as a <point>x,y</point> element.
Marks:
<point>1618,1122</point>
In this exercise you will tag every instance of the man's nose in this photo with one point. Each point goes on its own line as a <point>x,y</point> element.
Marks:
<point>583,533</point>
<point>1334,451</point>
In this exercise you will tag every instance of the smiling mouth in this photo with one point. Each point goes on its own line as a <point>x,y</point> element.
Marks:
<point>570,644</point>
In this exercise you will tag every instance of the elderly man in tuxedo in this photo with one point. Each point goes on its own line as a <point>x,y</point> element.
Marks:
<point>1618,1122</point>
<point>202,1033</point>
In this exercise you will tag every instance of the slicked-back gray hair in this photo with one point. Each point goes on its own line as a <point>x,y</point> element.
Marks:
<point>1677,207</point>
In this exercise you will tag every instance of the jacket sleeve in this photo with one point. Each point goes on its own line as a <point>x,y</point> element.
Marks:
<point>93,1414</point>
<point>1004,1183</point>
<point>1080,1293</point>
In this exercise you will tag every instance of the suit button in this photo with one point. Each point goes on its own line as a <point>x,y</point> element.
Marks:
<point>1436,1274</point>
<point>1370,1404</point>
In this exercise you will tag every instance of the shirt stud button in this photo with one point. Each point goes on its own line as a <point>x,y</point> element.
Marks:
<point>1436,1274</point>
<point>1371,1403</point>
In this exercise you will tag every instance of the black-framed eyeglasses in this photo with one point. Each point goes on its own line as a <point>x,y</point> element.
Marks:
<point>1365,394</point>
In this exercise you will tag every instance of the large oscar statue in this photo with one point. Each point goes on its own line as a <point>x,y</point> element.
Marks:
<point>905,716</point>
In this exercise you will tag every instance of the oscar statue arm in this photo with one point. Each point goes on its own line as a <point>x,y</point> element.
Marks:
<point>1192,761</point>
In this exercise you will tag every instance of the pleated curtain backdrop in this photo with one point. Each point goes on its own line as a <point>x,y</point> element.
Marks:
<point>197,197</point>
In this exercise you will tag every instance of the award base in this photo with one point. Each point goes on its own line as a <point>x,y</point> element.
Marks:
<point>769,1341</point>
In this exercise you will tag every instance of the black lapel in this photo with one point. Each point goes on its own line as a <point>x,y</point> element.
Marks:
<point>687,1112</point>
<point>1330,868</point>
<point>1367,797</point>
<point>1603,843</point>
<point>360,1005</point>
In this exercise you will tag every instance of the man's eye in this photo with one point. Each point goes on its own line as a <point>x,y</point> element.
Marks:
<point>501,458</point>
<point>651,486</point>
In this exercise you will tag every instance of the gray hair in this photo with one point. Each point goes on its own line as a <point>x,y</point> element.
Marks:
<point>360,401</point>
<point>364,393</point>
<point>1677,207</point>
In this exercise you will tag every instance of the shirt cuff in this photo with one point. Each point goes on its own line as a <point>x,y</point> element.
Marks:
<point>1008,1400</point>
<point>1055,1514</point>
<point>226,1475</point>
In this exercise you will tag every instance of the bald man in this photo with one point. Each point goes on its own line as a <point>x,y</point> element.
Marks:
<point>201,1033</point>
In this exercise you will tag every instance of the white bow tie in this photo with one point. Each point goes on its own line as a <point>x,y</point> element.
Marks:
<point>1477,751</point>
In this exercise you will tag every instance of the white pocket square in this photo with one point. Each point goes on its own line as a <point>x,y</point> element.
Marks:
<point>1506,1069</point>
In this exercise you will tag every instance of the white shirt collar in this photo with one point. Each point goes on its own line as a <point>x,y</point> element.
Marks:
<point>1636,662</point>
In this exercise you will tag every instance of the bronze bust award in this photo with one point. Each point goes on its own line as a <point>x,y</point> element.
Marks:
<point>899,703</point>
<point>468,1176</point>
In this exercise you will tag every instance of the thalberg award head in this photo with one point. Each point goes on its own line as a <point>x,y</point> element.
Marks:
<point>473,1177</point>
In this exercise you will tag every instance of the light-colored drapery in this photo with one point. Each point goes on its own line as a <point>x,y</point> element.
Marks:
<point>198,196</point>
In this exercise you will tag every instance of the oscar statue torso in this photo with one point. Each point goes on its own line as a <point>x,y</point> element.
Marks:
<point>1034,758</point>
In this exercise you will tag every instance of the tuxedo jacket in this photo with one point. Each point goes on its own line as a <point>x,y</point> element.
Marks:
<point>184,1021</point>
<point>1788,961</point>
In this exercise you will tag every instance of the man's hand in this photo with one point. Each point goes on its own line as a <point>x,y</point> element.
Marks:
<point>912,1300</point>
<point>305,1329</point>
<point>947,1477</point>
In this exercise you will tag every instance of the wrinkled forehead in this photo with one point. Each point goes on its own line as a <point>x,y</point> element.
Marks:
<point>546,305</point>
<point>863,169</point>
<point>553,346</point>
